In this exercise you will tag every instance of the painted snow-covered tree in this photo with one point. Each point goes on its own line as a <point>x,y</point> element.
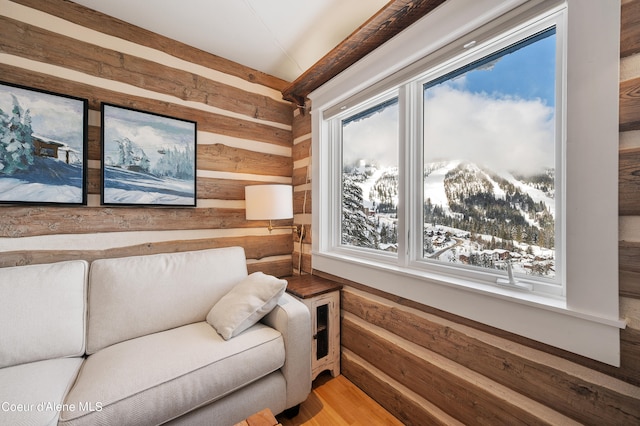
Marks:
<point>131,156</point>
<point>176,163</point>
<point>16,144</point>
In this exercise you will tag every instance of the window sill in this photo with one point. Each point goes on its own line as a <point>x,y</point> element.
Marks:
<point>539,317</point>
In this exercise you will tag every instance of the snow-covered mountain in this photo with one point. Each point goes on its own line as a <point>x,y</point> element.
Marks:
<point>471,214</point>
<point>482,195</point>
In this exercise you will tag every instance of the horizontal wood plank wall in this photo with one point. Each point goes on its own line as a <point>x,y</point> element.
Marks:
<point>473,374</point>
<point>302,188</point>
<point>244,137</point>
<point>425,365</point>
<point>629,190</point>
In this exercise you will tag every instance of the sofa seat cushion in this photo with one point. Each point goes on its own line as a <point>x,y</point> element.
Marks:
<point>155,378</point>
<point>33,393</point>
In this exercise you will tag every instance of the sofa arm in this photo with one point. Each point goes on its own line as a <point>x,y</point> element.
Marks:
<point>292,318</point>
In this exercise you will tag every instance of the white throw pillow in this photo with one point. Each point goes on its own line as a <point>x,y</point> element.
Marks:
<point>245,304</point>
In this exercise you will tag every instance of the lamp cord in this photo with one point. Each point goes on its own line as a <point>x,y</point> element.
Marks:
<point>304,211</point>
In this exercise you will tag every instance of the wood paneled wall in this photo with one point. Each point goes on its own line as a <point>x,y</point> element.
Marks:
<point>430,367</point>
<point>302,188</point>
<point>244,137</point>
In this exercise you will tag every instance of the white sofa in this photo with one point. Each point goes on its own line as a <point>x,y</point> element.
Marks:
<point>126,342</point>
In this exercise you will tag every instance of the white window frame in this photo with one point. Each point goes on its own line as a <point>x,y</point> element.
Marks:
<point>478,51</point>
<point>336,124</point>
<point>586,320</point>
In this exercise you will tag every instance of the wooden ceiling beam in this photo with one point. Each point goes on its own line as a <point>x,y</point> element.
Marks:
<point>389,21</point>
<point>630,28</point>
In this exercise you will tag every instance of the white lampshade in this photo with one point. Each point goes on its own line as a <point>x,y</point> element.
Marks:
<point>268,202</point>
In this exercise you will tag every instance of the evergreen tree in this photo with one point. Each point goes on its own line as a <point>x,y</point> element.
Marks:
<point>130,155</point>
<point>357,229</point>
<point>16,143</point>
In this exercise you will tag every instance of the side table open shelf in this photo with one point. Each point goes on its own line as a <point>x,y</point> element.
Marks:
<point>322,298</point>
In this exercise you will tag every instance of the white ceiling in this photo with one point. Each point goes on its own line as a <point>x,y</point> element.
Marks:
<point>282,38</point>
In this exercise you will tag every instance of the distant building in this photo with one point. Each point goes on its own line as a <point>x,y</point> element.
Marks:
<point>45,147</point>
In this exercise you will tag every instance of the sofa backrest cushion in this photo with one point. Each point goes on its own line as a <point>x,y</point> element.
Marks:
<point>42,311</point>
<point>134,296</point>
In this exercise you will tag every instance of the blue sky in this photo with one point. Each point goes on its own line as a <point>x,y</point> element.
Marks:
<point>500,114</point>
<point>527,73</point>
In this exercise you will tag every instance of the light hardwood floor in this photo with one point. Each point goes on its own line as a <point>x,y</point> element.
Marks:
<point>337,401</point>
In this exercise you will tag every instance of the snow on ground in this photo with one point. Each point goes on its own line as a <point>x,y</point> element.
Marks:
<point>20,190</point>
<point>130,187</point>
<point>123,196</point>
<point>47,180</point>
<point>434,185</point>
<point>497,191</point>
<point>368,184</point>
<point>535,194</point>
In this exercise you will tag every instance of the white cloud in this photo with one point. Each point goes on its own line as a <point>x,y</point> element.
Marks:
<point>497,131</point>
<point>374,138</point>
<point>503,133</point>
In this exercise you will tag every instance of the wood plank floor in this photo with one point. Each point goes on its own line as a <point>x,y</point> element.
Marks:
<point>337,401</point>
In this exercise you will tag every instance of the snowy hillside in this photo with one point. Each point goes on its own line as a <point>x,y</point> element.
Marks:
<point>471,215</point>
<point>132,187</point>
<point>46,180</point>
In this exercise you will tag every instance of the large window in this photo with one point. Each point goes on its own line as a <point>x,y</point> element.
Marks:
<point>458,177</point>
<point>370,177</point>
<point>489,143</point>
<point>489,138</point>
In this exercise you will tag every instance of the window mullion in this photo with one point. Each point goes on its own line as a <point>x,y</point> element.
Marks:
<point>335,200</point>
<point>404,173</point>
<point>412,177</point>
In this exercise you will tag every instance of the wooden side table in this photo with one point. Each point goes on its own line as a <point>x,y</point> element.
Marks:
<point>322,297</point>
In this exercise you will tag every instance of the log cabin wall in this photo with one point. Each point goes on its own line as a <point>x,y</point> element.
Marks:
<point>430,367</point>
<point>302,188</point>
<point>244,137</point>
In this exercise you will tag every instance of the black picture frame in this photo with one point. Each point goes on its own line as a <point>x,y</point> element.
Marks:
<point>148,159</point>
<point>43,147</point>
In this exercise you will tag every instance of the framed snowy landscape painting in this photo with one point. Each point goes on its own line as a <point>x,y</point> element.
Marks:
<point>43,147</point>
<point>147,159</point>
